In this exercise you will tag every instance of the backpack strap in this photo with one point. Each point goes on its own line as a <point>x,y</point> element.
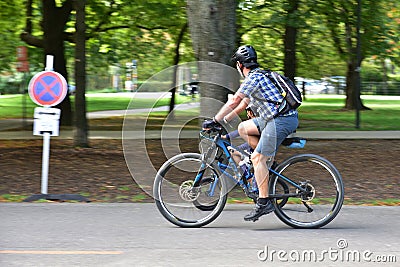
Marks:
<point>269,76</point>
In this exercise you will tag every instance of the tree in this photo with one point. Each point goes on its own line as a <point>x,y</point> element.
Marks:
<point>341,20</point>
<point>212,25</point>
<point>146,19</point>
<point>290,37</point>
<point>81,127</point>
<point>54,22</point>
<point>274,27</point>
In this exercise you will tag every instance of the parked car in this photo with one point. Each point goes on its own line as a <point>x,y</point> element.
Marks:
<point>314,86</point>
<point>338,83</point>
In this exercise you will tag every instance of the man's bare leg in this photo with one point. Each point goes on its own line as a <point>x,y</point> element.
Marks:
<point>261,173</point>
<point>249,132</point>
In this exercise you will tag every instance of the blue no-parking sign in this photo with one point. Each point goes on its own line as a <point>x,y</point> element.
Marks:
<point>47,88</point>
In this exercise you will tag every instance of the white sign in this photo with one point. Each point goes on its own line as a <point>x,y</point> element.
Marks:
<point>46,120</point>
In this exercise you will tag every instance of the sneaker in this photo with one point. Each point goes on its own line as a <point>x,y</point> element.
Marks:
<point>259,210</point>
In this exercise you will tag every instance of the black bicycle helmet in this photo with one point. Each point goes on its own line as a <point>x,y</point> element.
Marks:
<point>246,54</point>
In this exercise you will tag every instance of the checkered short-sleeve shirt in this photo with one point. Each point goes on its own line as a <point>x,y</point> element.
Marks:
<point>262,93</point>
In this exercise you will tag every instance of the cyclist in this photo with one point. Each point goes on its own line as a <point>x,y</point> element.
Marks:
<point>258,90</point>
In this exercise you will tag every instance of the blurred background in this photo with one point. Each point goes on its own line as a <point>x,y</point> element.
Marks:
<point>326,46</point>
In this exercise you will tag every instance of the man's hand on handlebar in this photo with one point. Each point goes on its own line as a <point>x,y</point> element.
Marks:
<point>209,125</point>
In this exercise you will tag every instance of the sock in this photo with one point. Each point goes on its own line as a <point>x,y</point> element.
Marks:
<point>262,201</point>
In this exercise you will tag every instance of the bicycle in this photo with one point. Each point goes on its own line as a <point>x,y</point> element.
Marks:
<point>190,189</point>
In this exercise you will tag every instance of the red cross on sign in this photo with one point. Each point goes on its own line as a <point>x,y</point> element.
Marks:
<point>47,88</point>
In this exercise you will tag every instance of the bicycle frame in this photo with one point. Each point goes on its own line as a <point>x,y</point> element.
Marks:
<point>223,145</point>
<point>199,201</point>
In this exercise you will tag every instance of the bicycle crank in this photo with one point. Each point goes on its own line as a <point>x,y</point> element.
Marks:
<point>307,195</point>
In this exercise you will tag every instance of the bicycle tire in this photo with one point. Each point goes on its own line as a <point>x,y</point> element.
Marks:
<point>174,198</point>
<point>282,202</point>
<point>325,190</point>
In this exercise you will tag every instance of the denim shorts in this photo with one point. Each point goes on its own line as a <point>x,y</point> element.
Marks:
<point>273,132</point>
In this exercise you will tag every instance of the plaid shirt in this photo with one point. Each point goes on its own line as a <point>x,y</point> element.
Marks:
<point>263,94</point>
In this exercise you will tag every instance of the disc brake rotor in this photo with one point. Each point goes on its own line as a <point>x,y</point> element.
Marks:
<point>187,192</point>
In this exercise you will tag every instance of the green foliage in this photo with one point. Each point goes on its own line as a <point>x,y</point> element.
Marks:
<point>12,198</point>
<point>371,72</point>
<point>324,27</point>
<point>119,31</point>
<point>12,24</point>
<point>341,21</point>
<point>393,32</point>
<point>9,32</point>
<point>143,31</point>
<point>263,26</point>
<point>395,77</point>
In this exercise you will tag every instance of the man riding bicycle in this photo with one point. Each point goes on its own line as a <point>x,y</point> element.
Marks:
<point>265,132</point>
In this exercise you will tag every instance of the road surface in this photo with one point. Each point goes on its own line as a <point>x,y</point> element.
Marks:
<point>122,234</point>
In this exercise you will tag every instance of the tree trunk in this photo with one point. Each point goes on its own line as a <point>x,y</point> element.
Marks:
<point>350,86</point>
<point>81,127</point>
<point>212,25</point>
<point>352,99</point>
<point>353,82</point>
<point>176,62</point>
<point>54,21</point>
<point>290,61</point>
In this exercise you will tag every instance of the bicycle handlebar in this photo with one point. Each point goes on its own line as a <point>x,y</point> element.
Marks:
<point>214,129</point>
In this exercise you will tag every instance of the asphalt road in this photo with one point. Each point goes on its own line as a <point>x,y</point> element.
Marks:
<point>75,234</point>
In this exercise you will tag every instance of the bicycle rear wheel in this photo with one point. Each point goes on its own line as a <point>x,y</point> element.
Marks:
<point>182,204</point>
<point>324,194</point>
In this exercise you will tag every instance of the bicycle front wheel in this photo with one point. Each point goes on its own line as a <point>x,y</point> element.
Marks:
<point>181,203</point>
<point>320,197</point>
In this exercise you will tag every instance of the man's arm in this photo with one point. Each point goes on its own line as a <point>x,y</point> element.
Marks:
<point>232,108</point>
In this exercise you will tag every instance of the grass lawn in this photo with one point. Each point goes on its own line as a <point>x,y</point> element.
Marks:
<point>11,105</point>
<point>328,114</point>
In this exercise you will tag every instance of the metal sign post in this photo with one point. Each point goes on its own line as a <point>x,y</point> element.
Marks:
<point>46,124</point>
<point>45,163</point>
<point>48,88</point>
